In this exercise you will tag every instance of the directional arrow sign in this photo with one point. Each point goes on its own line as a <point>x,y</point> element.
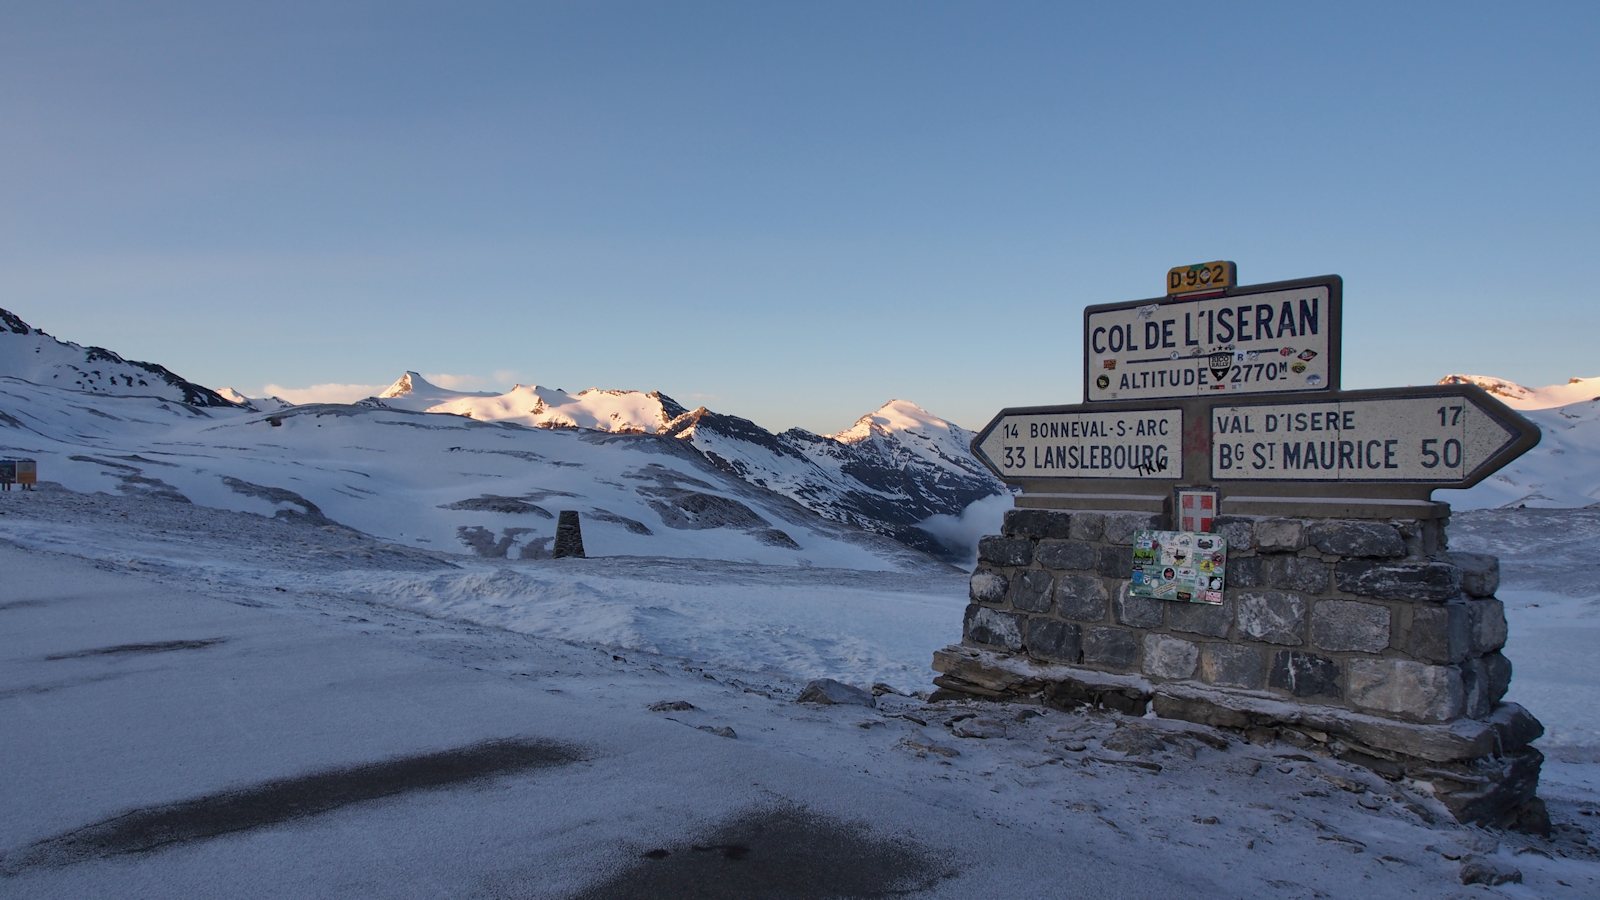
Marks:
<point>1082,442</point>
<point>1443,436</point>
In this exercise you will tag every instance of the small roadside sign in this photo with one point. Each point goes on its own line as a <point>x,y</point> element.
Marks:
<point>1212,276</point>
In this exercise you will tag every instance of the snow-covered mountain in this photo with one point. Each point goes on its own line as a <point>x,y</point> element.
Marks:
<point>32,355</point>
<point>1564,469</point>
<point>892,470</point>
<point>254,404</point>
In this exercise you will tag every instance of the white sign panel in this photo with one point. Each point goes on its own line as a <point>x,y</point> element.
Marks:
<point>1275,341</point>
<point>1135,444</point>
<point>1439,439</point>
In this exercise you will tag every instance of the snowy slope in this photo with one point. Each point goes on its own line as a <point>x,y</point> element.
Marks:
<point>443,482</point>
<point>1564,469</point>
<point>32,355</point>
<point>890,472</point>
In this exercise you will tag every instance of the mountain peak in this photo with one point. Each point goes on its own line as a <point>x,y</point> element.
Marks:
<point>892,417</point>
<point>406,384</point>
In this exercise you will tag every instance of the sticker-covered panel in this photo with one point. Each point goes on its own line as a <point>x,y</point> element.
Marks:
<point>1184,566</point>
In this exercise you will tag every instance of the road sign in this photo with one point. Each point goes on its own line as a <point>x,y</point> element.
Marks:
<point>1212,276</point>
<point>1442,436</point>
<point>1279,338</point>
<point>1080,442</point>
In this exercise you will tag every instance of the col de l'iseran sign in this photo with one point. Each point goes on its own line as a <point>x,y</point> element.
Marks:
<point>1279,338</point>
<point>1238,387</point>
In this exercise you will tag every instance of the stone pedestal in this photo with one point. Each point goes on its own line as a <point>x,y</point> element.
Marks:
<point>1367,638</point>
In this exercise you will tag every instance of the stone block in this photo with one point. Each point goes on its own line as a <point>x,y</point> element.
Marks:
<point>1120,526</point>
<point>1066,555</point>
<point>1488,626</point>
<point>1088,526</point>
<point>1280,535</point>
<point>1272,616</point>
<point>1232,665</point>
<point>1421,581</point>
<point>992,628</point>
<point>1297,573</point>
<point>1054,641</point>
<point>1475,688</point>
<point>1371,540</point>
<point>1238,531</point>
<point>1111,648</point>
<point>1498,671</point>
<point>997,550</point>
<point>1031,590</point>
<point>1081,598</point>
<point>1140,612</point>
<point>1439,634</point>
<point>1036,523</point>
<point>1480,573</point>
<point>1405,688</point>
<point>1201,618</point>
<point>1514,726</point>
<point>1350,625</point>
<point>1247,572</point>
<point>1304,674</point>
<point>988,587</point>
<point>1115,562</point>
<point>1170,657</point>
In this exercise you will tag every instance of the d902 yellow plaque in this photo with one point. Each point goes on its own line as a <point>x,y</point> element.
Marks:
<point>1211,276</point>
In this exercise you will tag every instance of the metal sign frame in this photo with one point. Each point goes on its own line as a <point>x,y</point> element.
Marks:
<point>1333,329</point>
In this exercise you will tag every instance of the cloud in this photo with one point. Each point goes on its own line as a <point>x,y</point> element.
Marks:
<point>324,393</point>
<point>959,534</point>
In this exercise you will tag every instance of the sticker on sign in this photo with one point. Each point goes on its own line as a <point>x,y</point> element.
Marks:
<point>1075,443</point>
<point>1444,436</point>
<point>1276,338</point>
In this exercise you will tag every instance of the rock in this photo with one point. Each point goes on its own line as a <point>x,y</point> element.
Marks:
<point>1304,674</point>
<point>1279,535</point>
<point>981,729</point>
<point>1272,616</point>
<point>1112,648</point>
<point>1480,870</point>
<point>988,587</point>
<point>1239,532</point>
<point>992,627</point>
<point>1068,555</point>
<point>1003,551</point>
<point>923,748</point>
<point>1294,573</point>
<point>1081,598</point>
<point>672,706</point>
<point>1036,523</point>
<point>1169,657</point>
<point>1139,612</point>
<point>1031,592</point>
<point>1406,688</point>
<point>1416,581</point>
<point>1375,540</point>
<point>1054,641</point>
<point>1440,634</point>
<point>1233,665</point>
<point>1488,626</point>
<point>1119,527</point>
<point>718,730</point>
<point>1480,573</point>
<point>1088,526</point>
<point>1201,618</point>
<point>1350,625</point>
<point>1115,561</point>
<point>827,692</point>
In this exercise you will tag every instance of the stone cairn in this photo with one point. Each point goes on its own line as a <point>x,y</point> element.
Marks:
<point>1365,639</point>
<point>569,536</point>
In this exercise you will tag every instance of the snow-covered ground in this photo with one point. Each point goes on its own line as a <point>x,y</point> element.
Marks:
<point>1563,471</point>
<point>203,702</point>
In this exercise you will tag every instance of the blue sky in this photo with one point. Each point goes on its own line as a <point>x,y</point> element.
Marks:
<point>790,212</point>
